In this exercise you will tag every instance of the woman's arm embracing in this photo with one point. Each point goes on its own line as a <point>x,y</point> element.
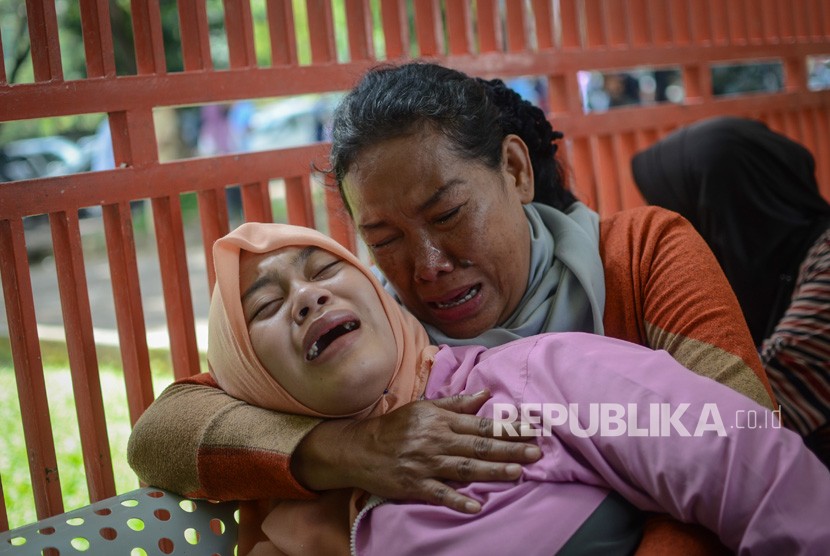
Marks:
<point>665,290</point>
<point>197,440</point>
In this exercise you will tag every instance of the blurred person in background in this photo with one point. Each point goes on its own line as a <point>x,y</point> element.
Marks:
<point>752,194</point>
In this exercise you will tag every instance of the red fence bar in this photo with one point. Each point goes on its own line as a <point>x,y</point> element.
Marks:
<point>133,138</point>
<point>281,31</point>
<point>321,31</point>
<point>129,313</point>
<point>659,24</point>
<point>256,202</point>
<point>213,215</point>
<point>595,36</point>
<point>28,369</point>
<point>428,27</point>
<point>194,30</point>
<point>4,517</point>
<point>572,36</point>
<point>147,37</point>
<point>359,23</point>
<point>395,28</point>
<point>490,37</point>
<point>543,17</point>
<point>754,22</point>
<point>802,25</point>
<point>167,216</point>
<point>97,32</point>
<point>616,32</point>
<point>700,24</point>
<point>298,201</point>
<point>680,20</point>
<point>80,344</point>
<point>3,80</point>
<point>517,36</point>
<point>43,37</point>
<point>459,27</point>
<point>240,31</point>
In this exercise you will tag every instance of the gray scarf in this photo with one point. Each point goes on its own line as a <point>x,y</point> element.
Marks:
<point>566,286</point>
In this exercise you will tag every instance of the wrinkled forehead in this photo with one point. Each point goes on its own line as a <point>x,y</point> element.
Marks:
<point>276,262</point>
<point>281,257</point>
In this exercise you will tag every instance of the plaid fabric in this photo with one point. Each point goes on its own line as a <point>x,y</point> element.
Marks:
<point>797,354</point>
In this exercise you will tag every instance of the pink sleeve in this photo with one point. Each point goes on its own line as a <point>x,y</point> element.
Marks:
<point>681,443</point>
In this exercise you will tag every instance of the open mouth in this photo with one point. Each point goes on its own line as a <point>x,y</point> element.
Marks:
<point>461,299</point>
<point>324,341</point>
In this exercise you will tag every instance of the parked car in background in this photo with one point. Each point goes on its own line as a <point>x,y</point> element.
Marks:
<point>41,157</point>
<point>291,122</point>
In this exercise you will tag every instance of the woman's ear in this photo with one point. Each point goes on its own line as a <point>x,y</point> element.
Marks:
<point>516,164</point>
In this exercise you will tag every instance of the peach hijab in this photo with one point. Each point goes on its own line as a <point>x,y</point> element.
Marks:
<point>295,526</point>
<point>231,357</point>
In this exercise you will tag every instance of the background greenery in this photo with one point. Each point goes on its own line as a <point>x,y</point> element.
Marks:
<point>14,467</point>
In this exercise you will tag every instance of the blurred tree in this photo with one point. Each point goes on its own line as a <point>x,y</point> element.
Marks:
<point>14,31</point>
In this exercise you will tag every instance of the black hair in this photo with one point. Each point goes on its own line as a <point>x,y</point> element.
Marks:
<point>475,114</point>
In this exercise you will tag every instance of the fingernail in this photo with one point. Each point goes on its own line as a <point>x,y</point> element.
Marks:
<point>533,452</point>
<point>472,507</point>
<point>513,469</point>
<point>480,392</point>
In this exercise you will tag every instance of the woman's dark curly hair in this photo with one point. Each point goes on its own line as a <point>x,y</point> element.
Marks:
<point>476,115</point>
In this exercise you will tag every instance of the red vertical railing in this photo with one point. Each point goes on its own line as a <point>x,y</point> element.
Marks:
<point>4,517</point>
<point>359,25</point>
<point>489,26</point>
<point>147,37</point>
<point>321,31</point>
<point>240,32</point>
<point>97,34</point>
<point>281,31</point>
<point>298,201</point>
<point>514,22</point>
<point>256,202</point>
<point>213,215</point>
<point>28,369</point>
<point>132,334</point>
<point>80,344</point>
<point>194,33</point>
<point>545,35</point>
<point>395,28</point>
<point>459,28</point>
<point>3,79</point>
<point>178,303</point>
<point>43,37</point>
<point>428,27</point>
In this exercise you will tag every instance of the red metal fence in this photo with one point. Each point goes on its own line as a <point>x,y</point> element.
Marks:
<point>548,38</point>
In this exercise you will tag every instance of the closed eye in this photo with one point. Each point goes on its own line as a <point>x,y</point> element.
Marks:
<point>447,216</point>
<point>328,270</point>
<point>265,310</point>
<point>381,244</point>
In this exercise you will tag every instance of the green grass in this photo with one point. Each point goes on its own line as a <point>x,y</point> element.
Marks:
<point>14,469</point>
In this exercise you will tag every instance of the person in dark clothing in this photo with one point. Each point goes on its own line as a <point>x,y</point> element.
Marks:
<point>753,196</point>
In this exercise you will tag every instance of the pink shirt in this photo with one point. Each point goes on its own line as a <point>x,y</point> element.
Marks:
<point>732,471</point>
